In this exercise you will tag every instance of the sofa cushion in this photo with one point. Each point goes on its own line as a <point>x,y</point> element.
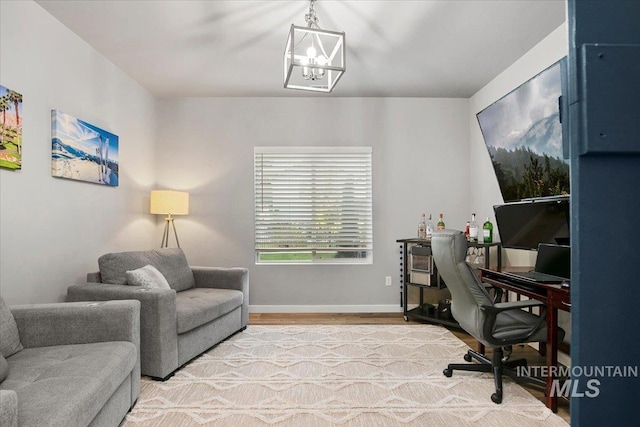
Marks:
<point>67,385</point>
<point>171,262</point>
<point>10,342</point>
<point>147,277</point>
<point>199,306</point>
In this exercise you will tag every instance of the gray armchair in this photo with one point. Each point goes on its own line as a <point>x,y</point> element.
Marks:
<point>69,364</point>
<point>204,306</point>
<point>496,325</point>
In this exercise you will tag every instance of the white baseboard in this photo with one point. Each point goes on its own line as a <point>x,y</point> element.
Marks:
<point>379,308</point>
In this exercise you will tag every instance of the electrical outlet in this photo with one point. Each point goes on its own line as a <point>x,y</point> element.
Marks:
<point>388,281</point>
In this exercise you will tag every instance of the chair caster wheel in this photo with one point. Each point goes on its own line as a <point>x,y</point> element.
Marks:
<point>496,398</point>
<point>447,372</point>
<point>467,357</point>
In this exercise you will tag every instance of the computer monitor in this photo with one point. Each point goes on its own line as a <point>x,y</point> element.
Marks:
<point>554,259</point>
<point>526,224</point>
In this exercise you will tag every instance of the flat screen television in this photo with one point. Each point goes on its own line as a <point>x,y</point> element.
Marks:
<point>523,134</point>
<point>527,223</point>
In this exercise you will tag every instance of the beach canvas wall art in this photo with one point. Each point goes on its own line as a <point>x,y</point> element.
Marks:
<point>10,129</point>
<point>83,152</point>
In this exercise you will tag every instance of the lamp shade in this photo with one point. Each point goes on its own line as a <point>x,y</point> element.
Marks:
<point>169,202</point>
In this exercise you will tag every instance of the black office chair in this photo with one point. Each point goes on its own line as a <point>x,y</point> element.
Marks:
<point>496,325</point>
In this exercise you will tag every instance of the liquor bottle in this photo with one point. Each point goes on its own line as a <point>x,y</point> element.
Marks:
<point>487,231</point>
<point>422,228</point>
<point>440,224</point>
<point>429,228</point>
<point>473,229</point>
<point>466,230</point>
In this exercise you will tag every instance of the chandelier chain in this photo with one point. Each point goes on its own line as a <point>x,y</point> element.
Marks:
<point>310,17</point>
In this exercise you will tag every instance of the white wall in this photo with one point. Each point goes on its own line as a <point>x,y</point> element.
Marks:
<point>483,183</point>
<point>53,230</point>
<point>420,164</point>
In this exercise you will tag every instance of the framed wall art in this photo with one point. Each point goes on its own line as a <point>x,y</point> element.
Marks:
<point>82,151</point>
<point>10,129</point>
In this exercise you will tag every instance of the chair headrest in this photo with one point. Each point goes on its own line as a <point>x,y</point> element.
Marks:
<point>456,240</point>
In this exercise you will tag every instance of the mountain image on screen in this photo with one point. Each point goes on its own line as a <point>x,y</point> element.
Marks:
<point>523,135</point>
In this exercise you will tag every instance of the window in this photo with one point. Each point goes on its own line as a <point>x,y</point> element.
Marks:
<point>313,205</point>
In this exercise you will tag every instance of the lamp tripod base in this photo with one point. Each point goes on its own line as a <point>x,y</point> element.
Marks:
<point>165,235</point>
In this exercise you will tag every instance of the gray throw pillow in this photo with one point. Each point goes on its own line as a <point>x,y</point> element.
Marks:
<point>10,342</point>
<point>4,368</point>
<point>147,277</point>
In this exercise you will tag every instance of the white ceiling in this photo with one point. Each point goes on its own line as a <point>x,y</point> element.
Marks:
<point>419,48</point>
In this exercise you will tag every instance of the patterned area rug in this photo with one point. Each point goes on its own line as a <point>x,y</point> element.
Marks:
<point>373,375</point>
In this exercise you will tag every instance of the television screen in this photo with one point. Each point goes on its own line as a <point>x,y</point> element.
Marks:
<point>523,135</point>
<point>526,224</point>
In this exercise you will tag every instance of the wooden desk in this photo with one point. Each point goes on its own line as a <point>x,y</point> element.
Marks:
<point>554,296</point>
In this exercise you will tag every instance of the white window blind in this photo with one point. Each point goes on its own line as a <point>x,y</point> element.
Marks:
<point>313,204</point>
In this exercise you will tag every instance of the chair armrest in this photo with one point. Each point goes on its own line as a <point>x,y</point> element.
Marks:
<point>105,291</point>
<point>513,305</point>
<point>158,306</point>
<point>499,292</point>
<point>225,278</point>
<point>492,311</point>
<point>42,325</point>
<point>158,324</point>
<point>8,408</point>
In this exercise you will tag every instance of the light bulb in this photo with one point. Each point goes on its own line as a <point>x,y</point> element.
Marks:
<point>311,52</point>
<point>320,60</point>
<point>306,73</point>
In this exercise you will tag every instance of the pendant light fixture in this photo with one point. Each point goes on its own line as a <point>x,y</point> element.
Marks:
<point>314,59</point>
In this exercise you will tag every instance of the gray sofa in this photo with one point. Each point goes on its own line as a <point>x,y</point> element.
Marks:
<point>203,306</point>
<point>69,364</point>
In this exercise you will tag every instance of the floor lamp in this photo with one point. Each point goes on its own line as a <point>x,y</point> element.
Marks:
<point>169,203</point>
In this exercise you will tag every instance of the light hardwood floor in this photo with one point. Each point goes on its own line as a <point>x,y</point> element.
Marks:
<point>532,356</point>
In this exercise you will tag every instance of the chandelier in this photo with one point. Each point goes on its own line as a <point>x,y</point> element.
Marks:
<point>314,59</point>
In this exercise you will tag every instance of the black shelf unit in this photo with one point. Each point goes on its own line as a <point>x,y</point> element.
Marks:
<point>427,274</point>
